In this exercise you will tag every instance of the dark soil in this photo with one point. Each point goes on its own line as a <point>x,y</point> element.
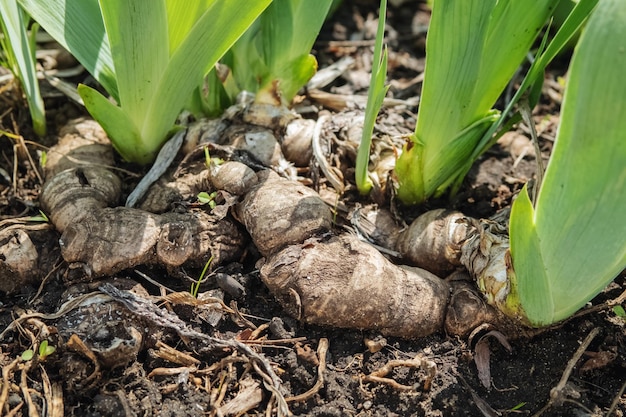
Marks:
<point>439,376</point>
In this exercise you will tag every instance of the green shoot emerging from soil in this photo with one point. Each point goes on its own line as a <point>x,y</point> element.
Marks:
<point>195,287</point>
<point>19,57</point>
<point>149,56</point>
<point>375,96</point>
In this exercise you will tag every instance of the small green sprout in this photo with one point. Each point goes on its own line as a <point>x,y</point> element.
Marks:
<point>40,218</point>
<point>195,287</point>
<point>207,157</point>
<point>208,160</point>
<point>206,198</point>
<point>518,406</point>
<point>43,158</point>
<point>45,350</point>
<point>619,311</point>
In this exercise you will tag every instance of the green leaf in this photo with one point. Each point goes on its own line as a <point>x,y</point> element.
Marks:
<point>579,222</point>
<point>181,17</point>
<point>272,58</point>
<point>125,136</point>
<point>286,80</point>
<point>213,34</point>
<point>529,299</point>
<point>27,355</point>
<point>45,349</point>
<point>473,48</point>
<point>78,26</point>
<point>518,406</point>
<point>20,54</point>
<point>139,45</point>
<point>375,97</point>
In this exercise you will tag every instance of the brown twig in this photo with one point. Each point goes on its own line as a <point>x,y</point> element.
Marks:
<point>616,400</point>
<point>265,342</point>
<point>558,394</point>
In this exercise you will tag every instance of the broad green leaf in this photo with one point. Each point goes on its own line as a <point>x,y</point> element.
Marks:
<point>473,48</point>
<point>272,58</point>
<point>78,26</point>
<point>533,80</point>
<point>289,29</point>
<point>139,46</point>
<point>245,60</point>
<point>579,222</point>
<point>116,122</point>
<point>181,17</point>
<point>213,34</point>
<point>535,298</point>
<point>18,49</point>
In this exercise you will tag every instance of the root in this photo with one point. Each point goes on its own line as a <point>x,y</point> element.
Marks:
<point>319,277</point>
<point>79,193</point>
<point>278,213</point>
<point>343,282</point>
<point>322,349</point>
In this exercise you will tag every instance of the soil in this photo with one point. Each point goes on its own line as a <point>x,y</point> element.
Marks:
<point>196,376</point>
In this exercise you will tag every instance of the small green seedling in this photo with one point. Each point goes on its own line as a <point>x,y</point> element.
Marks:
<point>43,158</point>
<point>518,406</point>
<point>208,160</point>
<point>195,287</point>
<point>206,198</point>
<point>28,355</point>
<point>45,350</point>
<point>619,312</point>
<point>40,218</point>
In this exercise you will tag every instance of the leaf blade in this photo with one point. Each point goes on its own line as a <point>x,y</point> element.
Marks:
<point>193,59</point>
<point>18,49</point>
<point>78,26</point>
<point>580,219</point>
<point>140,53</point>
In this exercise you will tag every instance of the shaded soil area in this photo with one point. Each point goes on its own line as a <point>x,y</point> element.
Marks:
<point>215,354</point>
